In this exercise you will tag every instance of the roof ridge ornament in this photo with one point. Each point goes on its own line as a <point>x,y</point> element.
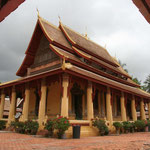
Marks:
<point>59,19</point>
<point>65,65</point>
<point>86,36</point>
<point>38,12</point>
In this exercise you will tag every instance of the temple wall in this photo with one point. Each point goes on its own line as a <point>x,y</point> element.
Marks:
<point>32,103</point>
<point>53,100</point>
<point>44,55</point>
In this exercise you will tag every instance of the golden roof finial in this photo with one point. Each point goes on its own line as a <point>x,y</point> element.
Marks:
<point>86,33</point>
<point>38,12</point>
<point>59,19</point>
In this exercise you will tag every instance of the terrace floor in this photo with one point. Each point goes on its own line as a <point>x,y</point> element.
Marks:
<point>134,141</point>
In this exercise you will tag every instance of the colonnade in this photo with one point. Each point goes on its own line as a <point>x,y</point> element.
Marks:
<point>65,103</point>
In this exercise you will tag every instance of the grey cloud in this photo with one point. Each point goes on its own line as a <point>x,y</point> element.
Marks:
<point>115,23</point>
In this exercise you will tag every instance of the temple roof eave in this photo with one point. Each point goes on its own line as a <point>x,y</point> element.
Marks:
<point>71,58</point>
<point>74,70</point>
<point>31,78</point>
<point>107,82</point>
<point>99,62</point>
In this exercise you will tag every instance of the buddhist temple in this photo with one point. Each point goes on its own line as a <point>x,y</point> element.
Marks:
<point>65,73</point>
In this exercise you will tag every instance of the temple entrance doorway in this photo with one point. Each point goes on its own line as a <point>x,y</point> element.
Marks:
<point>128,109</point>
<point>77,94</point>
<point>37,103</point>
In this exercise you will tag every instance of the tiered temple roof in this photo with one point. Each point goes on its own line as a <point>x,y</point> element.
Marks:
<point>76,55</point>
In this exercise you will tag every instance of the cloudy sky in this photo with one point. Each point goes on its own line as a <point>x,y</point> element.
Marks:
<point>115,23</point>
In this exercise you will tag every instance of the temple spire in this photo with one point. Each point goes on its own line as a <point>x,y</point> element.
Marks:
<point>86,33</point>
<point>38,12</point>
<point>59,19</point>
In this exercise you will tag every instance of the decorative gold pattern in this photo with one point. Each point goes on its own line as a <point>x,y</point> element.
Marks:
<point>58,51</point>
<point>67,33</point>
<point>83,54</point>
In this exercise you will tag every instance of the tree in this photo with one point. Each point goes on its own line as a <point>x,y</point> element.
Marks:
<point>146,86</point>
<point>123,65</point>
<point>136,80</point>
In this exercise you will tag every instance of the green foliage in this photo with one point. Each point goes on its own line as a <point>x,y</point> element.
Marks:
<point>18,126</point>
<point>117,125</point>
<point>123,65</point>
<point>148,122</point>
<point>100,124</point>
<point>31,127</point>
<point>50,126</point>
<point>146,86</point>
<point>62,124</point>
<point>28,127</point>
<point>2,124</point>
<point>140,125</point>
<point>126,126</point>
<point>132,127</point>
<point>136,81</point>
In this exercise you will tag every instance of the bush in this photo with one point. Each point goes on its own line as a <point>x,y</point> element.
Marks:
<point>28,127</point>
<point>148,122</point>
<point>62,124</point>
<point>140,125</point>
<point>126,126</point>
<point>117,125</point>
<point>100,124</point>
<point>31,127</point>
<point>2,124</point>
<point>18,126</point>
<point>50,126</point>
<point>132,127</point>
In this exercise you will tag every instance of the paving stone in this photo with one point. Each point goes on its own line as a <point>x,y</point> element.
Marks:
<point>135,141</point>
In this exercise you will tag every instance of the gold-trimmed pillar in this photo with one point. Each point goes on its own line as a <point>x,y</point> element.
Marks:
<point>133,109</point>
<point>42,105</point>
<point>12,110</point>
<point>65,99</point>
<point>2,103</point>
<point>108,106</point>
<point>123,109</point>
<point>90,113</point>
<point>142,110</point>
<point>25,111</point>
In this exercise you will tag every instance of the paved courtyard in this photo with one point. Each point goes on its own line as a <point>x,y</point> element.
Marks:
<point>136,141</point>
